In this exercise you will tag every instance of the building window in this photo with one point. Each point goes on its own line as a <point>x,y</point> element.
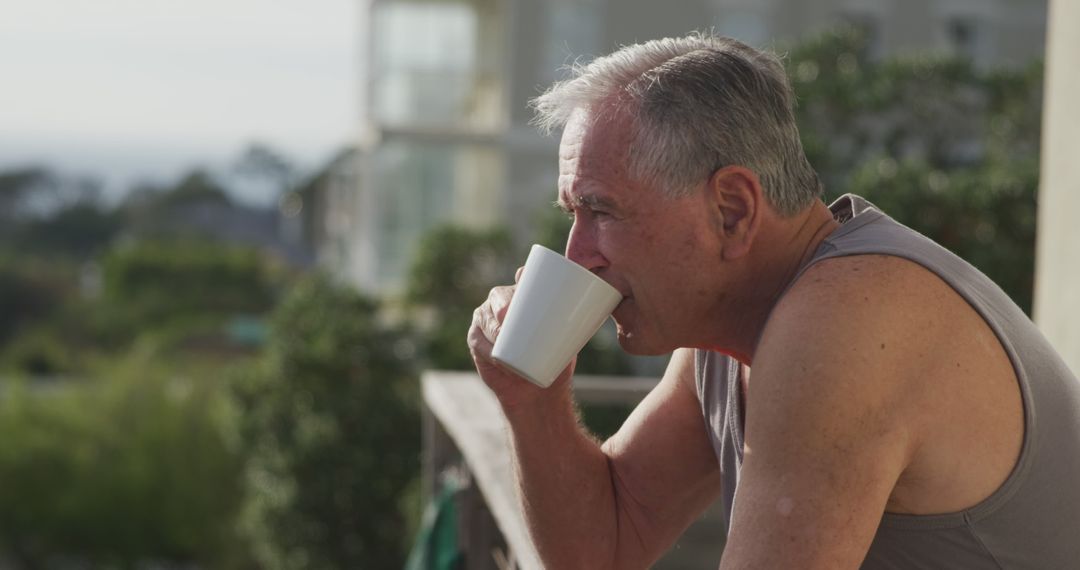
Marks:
<point>421,186</point>
<point>432,67</point>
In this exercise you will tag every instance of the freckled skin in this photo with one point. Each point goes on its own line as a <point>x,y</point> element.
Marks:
<point>784,506</point>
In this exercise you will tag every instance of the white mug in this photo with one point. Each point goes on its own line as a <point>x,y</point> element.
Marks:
<point>557,307</point>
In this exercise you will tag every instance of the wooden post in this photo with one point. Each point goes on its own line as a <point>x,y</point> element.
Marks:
<point>439,453</point>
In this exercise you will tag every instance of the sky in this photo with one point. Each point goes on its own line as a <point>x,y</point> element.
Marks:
<point>142,90</point>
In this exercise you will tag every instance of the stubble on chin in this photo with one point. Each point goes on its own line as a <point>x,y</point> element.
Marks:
<point>624,337</point>
<point>633,343</point>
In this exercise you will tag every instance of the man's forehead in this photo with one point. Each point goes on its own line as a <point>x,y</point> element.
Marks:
<point>595,161</point>
<point>591,161</point>
<point>591,132</point>
<point>578,122</point>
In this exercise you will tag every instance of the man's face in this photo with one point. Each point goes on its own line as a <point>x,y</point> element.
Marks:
<point>658,252</point>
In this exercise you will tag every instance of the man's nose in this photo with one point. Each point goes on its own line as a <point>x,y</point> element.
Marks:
<point>581,248</point>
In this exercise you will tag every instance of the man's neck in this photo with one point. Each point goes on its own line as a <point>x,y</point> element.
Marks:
<point>781,251</point>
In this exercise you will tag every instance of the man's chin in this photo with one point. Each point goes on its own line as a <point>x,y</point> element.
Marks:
<point>638,345</point>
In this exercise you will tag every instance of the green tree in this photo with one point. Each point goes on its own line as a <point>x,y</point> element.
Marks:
<point>153,284</point>
<point>261,163</point>
<point>30,291</point>
<point>128,471</point>
<point>451,275</point>
<point>39,190</point>
<point>330,418</point>
<point>43,212</point>
<point>159,211</point>
<point>17,186</point>
<point>78,231</point>
<point>946,148</point>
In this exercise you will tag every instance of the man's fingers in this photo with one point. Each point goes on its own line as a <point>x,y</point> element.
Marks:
<point>517,274</point>
<point>485,322</point>
<point>479,345</point>
<point>499,301</point>
<point>490,325</point>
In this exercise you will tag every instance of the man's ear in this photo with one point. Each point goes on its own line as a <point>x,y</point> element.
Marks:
<point>738,201</point>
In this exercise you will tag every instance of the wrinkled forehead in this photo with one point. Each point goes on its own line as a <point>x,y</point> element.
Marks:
<point>595,144</point>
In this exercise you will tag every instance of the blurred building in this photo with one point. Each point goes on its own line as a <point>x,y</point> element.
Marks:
<point>444,84</point>
<point>329,203</point>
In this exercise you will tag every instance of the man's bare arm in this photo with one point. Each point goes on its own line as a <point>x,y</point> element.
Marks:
<point>623,504</point>
<point>833,415</point>
<point>620,505</point>
<point>664,468</point>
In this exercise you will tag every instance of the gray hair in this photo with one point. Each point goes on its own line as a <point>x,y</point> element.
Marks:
<point>700,103</point>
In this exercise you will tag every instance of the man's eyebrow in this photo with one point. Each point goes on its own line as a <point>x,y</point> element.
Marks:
<point>595,201</point>
<point>586,201</point>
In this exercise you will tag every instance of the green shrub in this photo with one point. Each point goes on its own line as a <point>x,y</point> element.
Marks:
<point>37,353</point>
<point>450,275</point>
<point>30,291</point>
<point>118,472</point>
<point>330,419</point>
<point>151,284</point>
<point>939,144</point>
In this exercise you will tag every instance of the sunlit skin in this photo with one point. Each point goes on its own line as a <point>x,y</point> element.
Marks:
<point>681,263</point>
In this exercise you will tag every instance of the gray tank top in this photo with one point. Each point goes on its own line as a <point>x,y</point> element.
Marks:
<point>1033,520</point>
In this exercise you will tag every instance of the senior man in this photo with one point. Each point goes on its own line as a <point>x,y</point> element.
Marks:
<point>854,394</point>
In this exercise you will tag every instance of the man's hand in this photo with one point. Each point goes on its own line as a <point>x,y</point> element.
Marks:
<point>511,390</point>
<point>617,507</point>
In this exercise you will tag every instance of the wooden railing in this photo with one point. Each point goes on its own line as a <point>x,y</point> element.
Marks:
<point>465,435</point>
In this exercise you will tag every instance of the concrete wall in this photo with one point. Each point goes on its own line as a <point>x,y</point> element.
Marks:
<point>1057,283</point>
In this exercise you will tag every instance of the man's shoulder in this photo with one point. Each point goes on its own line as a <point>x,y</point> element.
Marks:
<point>883,306</point>
<point>884,333</point>
<point>850,288</point>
